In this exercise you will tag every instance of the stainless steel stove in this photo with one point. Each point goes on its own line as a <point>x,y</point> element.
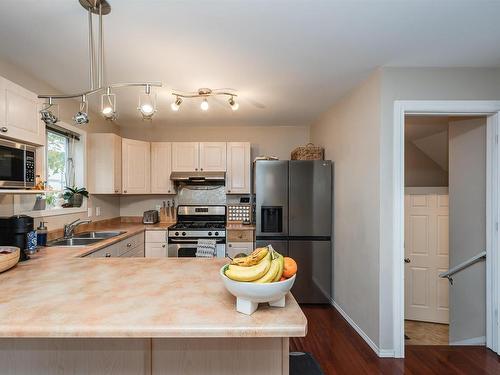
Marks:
<point>194,223</point>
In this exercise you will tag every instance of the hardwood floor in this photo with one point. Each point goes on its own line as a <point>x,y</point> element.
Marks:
<point>340,350</point>
<point>426,333</point>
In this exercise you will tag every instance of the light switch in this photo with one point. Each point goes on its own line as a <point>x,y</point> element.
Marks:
<point>98,211</point>
<point>89,212</point>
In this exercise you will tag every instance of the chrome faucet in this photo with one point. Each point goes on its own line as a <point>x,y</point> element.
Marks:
<point>70,228</point>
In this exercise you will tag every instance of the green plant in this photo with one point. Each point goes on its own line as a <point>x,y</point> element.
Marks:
<point>70,192</point>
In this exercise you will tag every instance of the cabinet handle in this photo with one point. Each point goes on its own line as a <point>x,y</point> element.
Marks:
<point>196,169</point>
<point>129,244</point>
<point>108,255</point>
<point>201,169</point>
<point>116,191</point>
<point>3,129</point>
<point>230,245</point>
<point>125,191</point>
<point>162,245</point>
<point>229,191</point>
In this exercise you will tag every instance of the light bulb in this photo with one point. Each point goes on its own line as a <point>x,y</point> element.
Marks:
<point>147,109</point>
<point>175,105</point>
<point>107,112</point>
<point>234,105</point>
<point>204,105</point>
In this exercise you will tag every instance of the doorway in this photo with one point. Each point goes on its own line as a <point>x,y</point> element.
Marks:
<point>445,224</point>
<point>490,110</point>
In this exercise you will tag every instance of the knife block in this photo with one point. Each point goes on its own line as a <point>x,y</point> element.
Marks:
<point>164,216</point>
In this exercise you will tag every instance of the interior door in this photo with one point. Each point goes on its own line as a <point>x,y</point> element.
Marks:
<point>467,154</point>
<point>426,251</point>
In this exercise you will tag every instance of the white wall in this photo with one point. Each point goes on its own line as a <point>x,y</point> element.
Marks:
<point>415,84</point>
<point>349,132</point>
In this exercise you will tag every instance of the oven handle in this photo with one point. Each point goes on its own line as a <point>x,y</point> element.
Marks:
<point>175,241</point>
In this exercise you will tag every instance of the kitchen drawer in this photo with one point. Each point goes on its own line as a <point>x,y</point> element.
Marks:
<point>156,236</point>
<point>240,235</point>
<point>107,252</point>
<point>137,252</point>
<point>130,243</point>
<point>235,248</point>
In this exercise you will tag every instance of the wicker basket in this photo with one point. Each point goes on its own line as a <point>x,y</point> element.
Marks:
<point>308,152</point>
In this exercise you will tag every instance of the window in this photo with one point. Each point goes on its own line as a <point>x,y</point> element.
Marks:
<point>57,163</point>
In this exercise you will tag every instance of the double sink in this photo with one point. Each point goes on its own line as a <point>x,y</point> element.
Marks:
<point>84,239</point>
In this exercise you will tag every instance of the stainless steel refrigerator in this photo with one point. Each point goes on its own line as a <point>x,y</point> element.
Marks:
<point>293,210</point>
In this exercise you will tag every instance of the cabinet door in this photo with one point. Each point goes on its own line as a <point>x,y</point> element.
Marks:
<point>185,156</point>
<point>19,114</point>
<point>104,168</point>
<point>136,167</point>
<point>161,167</point>
<point>235,248</point>
<point>238,168</point>
<point>213,156</point>
<point>156,250</point>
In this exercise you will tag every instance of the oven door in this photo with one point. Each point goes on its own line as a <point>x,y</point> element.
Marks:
<point>186,248</point>
<point>12,164</point>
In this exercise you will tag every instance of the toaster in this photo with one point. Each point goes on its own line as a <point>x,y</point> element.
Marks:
<point>150,217</point>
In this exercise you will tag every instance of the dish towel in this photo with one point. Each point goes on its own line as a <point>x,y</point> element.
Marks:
<point>206,248</point>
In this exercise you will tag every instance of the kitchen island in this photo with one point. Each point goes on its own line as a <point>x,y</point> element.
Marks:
<point>64,313</point>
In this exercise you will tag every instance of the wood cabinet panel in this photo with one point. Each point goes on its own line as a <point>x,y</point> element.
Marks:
<point>240,235</point>
<point>213,156</point>
<point>156,250</point>
<point>185,156</point>
<point>161,167</point>
<point>136,166</point>
<point>238,168</point>
<point>104,163</point>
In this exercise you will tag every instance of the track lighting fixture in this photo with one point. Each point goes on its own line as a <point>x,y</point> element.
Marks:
<point>81,117</point>
<point>234,105</point>
<point>204,105</point>
<point>47,115</point>
<point>147,104</point>
<point>108,105</point>
<point>175,105</point>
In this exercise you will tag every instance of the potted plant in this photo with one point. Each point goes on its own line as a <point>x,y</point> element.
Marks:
<point>74,196</point>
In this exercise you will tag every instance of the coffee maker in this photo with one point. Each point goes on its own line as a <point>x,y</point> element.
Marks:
<point>14,231</point>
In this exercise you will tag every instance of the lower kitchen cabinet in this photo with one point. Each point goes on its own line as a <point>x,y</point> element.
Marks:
<point>156,244</point>
<point>129,247</point>
<point>235,248</point>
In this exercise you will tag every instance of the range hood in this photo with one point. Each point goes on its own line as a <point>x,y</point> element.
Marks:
<point>198,177</point>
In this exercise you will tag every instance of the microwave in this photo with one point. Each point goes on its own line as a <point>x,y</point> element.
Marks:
<point>17,165</point>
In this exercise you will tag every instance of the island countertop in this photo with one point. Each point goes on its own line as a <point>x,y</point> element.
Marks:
<point>61,294</point>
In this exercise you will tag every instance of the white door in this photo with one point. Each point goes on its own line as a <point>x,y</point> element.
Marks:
<point>238,168</point>
<point>19,114</point>
<point>161,167</point>
<point>213,156</point>
<point>426,249</point>
<point>185,156</point>
<point>136,167</point>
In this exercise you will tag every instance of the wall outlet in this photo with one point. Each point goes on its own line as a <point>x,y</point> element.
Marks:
<point>98,211</point>
<point>89,212</point>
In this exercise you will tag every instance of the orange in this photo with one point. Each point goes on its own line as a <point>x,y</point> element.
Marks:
<point>290,267</point>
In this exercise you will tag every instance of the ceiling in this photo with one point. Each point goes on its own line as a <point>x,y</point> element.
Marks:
<point>289,60</point>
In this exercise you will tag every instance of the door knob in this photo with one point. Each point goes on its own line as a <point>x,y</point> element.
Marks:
<point>407,260</point>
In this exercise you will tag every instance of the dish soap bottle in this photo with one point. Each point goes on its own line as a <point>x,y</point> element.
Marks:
<point>41,234</point>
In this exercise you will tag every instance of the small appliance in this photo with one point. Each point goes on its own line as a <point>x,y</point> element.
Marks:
<point>197,222</point>
<point>150,217</point>
<point>17,231</point>
<point>17,165</point>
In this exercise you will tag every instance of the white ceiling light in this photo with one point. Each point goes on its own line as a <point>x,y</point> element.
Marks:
<point>147,105</point>
<point>47,113</point>
<point>176,105</point>
<point>204,105</point>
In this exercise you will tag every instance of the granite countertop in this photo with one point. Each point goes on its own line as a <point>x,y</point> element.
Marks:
<point>58,293</point>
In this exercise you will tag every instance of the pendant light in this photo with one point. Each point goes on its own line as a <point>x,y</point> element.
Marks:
<point>147,104</point>
<point>108,105</point>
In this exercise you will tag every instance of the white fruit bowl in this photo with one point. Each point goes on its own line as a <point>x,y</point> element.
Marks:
<point>249,295</point>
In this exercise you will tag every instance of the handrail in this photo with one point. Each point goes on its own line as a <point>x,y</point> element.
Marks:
<point>462,265</point>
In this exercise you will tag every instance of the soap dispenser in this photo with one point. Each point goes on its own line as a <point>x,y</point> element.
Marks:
<point>41,234</point>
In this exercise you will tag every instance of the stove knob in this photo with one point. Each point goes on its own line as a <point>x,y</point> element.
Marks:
<point>216,233</point>
<point>209,233</point>
<point>183,233</point>
<point>176,233</point>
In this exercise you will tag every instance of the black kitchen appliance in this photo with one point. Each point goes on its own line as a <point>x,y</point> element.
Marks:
<point>14,232</point>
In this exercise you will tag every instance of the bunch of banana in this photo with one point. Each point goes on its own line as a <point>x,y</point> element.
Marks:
<point>268,269</point>
<point>252,259</point>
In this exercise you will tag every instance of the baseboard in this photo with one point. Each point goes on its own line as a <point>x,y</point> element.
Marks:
<point>473,341</point>
<point>383,353</point>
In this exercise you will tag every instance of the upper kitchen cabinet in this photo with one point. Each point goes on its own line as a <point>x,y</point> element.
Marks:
<point>213,156</point>
<point>136,167</point>
<point>161,167</point>
<point>104,165</point>
<point>238,168</point>
<point>185,156</point>
<point>19,114</point>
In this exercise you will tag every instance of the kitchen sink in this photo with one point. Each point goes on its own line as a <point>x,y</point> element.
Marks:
<point>84,239</point>
<point>73,242</point>
<point>98,235</point>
